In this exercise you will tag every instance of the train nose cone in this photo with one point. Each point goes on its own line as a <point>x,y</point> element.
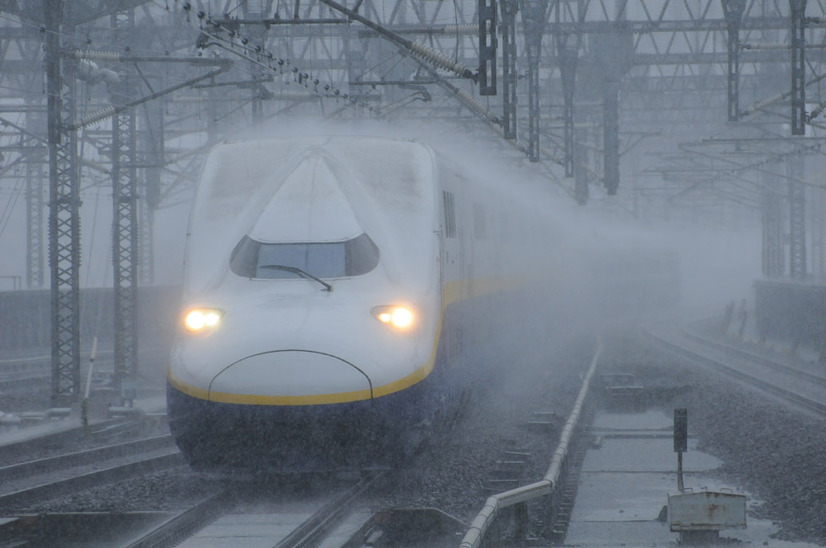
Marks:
<point>290,377</point>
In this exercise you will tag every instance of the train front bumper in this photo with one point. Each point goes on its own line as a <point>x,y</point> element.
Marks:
<point>295,438</point>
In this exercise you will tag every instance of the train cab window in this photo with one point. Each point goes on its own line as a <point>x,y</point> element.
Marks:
<point>253,259</point>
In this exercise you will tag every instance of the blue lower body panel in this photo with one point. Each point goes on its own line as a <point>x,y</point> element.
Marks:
<point>369,433</point>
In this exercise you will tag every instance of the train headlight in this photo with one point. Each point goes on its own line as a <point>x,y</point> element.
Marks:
<point>198,320</point>
<point>400,317</point>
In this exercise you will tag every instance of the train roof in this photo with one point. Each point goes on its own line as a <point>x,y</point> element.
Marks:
<point>309,189</point>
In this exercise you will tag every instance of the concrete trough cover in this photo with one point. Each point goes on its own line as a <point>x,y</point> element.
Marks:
<point>87,529</point>
<point>706,511</point>
<point>623,392</point>
<point>409,527</point>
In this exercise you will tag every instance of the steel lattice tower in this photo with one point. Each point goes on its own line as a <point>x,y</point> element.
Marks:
<point>64,219</point>
<point>125,254</point>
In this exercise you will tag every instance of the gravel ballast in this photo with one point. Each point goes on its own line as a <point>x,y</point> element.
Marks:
<point>773,453</point>
<point>776,454</point>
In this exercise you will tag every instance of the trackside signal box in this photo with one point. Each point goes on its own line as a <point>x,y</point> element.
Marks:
<point>700,516</point>
<point>706,511</point>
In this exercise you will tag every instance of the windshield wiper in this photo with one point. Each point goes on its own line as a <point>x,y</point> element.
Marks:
<point>302,273</point>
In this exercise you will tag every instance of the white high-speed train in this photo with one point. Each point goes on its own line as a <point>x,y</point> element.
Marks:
<point>330,285</point>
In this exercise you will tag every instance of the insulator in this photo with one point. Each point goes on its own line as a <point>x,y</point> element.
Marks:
<point>766,102</point>
<point>471,30</point>
<point>476,107</point>
<point>440,60</point>
<point>97,116</point>
<point>817,110</point>
<point>93,55</point>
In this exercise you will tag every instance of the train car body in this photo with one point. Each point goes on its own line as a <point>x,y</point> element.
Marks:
<point>334,287</point>
<point>324,280</point>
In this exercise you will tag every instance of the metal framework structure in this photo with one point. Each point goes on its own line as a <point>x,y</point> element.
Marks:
<point>64,218</point>
<point>798,43</point>
<point>733,10</point>
<point>125,251</point>
<point>534,18</point>
<point>671,105</point>
<point>36,155</point>
<point>507,29</point>
<point>772,220</point>
<point>487,47</point>
<point>797,217</point>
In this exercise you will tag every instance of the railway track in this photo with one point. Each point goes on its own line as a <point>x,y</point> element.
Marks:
<point>25,483</point>
<point>779,366</point>
<point>193,524</point>
<point>318,525</point>
<point>794,385</point>
<point>28,369</point>
<point>181,526</point>
<point>312,531</point>
<point>23,370</point>
<point>324,519</point>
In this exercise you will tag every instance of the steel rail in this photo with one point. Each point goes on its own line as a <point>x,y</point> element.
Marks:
<point>15,372</point>
<point>69,432</point>
<point>182,525</point>
<point>777,366</point>
<point>62,462</point>
<point>317,526</point>
<point>27,495</point>
<point>475,535</point>
<point>25,379</point>
<point>681,352</point>
<point>26,362</point>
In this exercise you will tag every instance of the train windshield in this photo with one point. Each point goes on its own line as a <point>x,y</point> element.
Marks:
<point>253,259</point>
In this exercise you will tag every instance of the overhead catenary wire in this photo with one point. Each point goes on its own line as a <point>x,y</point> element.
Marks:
<point>276,65</point>
<point>777,98</point>
<point>109,111</point>
<point>418,49</point>
<point>428,59</point>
